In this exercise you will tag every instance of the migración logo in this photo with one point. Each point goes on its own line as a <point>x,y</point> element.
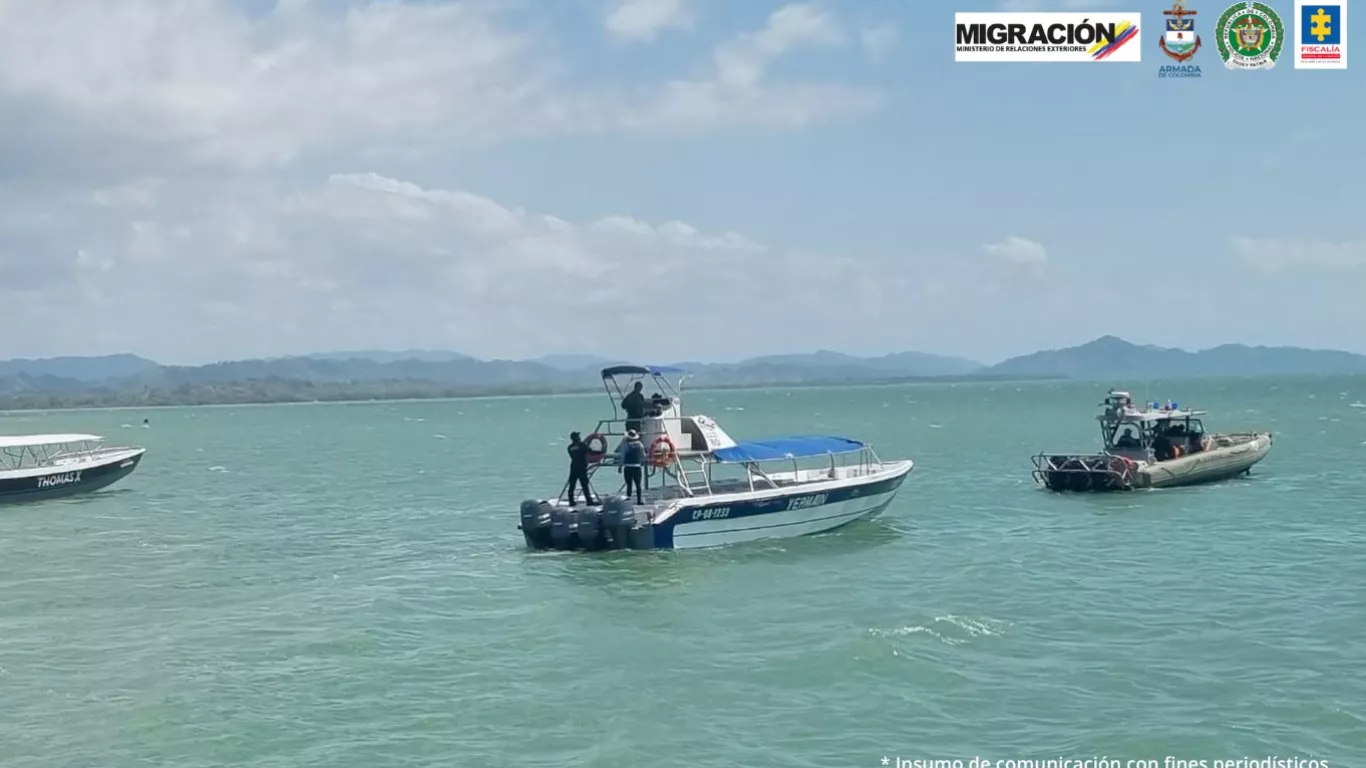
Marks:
<point>1048,37</point>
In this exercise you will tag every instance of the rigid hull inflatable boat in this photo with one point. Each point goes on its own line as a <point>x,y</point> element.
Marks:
<point>1153,446</point>
<point>704,489</point>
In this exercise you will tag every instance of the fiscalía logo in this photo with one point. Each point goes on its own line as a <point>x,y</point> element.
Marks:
<point>1179,42</point>
<point>1250,36</point>
<point>1320,35</point>
<point>1047,37</point>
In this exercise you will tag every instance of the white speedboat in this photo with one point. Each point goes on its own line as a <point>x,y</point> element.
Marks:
<point>704,489</point>
<point>34,467</point>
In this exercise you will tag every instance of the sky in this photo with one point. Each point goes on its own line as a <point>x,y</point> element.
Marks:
<point>198,180</point>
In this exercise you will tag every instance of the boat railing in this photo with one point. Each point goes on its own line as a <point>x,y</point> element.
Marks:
<point>615,430</point>
<point>67,457</point>
<point>1085,471</point>
<point>33,456</point>
<point>691,475</point>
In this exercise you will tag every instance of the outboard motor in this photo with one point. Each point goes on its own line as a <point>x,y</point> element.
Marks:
<point>590,528</point>
<point>618,517</point>
<point>536,523</point>
<point>563,525</point>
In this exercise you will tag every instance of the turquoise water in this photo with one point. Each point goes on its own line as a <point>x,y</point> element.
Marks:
<point>345,585</point>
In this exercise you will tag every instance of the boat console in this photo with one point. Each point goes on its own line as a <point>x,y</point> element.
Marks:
<point>663,424</point>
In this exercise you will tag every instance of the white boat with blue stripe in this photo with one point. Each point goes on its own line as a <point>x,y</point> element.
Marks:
<point>704,489</point>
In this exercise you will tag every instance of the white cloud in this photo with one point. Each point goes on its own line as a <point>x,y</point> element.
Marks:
<point>1273,255</point>
<point>362,259</point>
<point>1018,250</point>
<point>742,63</point>
<point>202,80</point>
<point>878,41</point>
<point>165,166</point>
<point>739,90</point>
<point>643,20</point>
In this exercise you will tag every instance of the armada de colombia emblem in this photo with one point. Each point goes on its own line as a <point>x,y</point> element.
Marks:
<point>1250,36</point>
<point>1180,42</point>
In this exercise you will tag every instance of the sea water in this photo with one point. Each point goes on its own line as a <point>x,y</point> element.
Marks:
<point>344,586</point>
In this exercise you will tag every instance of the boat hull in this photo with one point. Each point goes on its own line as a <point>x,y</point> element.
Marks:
<point>712,521</point>
<point>1205,467</point>
<point>787,516</point>
<point>70,480</point>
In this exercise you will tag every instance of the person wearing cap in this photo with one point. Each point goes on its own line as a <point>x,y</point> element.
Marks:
<point>634,406</point>
<point>631,463</point>
<point>578,468</point>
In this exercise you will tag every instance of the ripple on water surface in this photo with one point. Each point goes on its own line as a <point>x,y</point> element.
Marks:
<point>335,586</point>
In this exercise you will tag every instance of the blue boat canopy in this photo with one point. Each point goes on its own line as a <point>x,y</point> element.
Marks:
<point>639,370</point>
<point>780,448</point>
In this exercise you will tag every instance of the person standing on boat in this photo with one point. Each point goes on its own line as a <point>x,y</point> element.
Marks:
<point>578,468</point>
<point>634,406</point>
<point>631,463</point>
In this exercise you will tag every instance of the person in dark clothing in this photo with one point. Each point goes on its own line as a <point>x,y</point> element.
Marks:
<point>631,462</point>
<point>1162,448</point>
<point>634,406</point>
<point>578,468</point>
<point>659,404</point>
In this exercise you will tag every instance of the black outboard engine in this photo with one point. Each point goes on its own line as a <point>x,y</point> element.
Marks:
<point>618,517</point>
<point>590,528</point>
<point>564,524</point>
<point>536,523</point>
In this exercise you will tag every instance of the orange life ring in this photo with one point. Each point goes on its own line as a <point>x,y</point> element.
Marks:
<point>665,457</point>
<point>596,455</point>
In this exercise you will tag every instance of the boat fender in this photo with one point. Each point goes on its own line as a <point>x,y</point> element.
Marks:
<point>596,453</point>
<point>1123,465</point>
<point>1205,443</point>
<point>662,451</point>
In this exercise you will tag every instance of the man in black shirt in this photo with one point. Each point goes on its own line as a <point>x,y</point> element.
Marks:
<point>634,406</point>
<point>578,468</point>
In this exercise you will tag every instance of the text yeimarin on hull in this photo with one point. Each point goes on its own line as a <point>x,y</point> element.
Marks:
<point>38,467</point>
<point>1320,35</point>
<point>1048,37</point>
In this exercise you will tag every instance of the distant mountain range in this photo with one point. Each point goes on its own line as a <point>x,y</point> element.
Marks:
<point>1113,358</point>
<point>377,374</point>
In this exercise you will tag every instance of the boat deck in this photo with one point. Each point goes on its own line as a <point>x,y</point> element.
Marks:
<point>766,482</point>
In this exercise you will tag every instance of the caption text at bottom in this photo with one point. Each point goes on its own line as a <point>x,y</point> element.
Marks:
<point>1272,761</point>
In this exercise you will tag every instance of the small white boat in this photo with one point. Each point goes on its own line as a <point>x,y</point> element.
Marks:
<point>704,489</point>
<point>36,467</point>
<point>1155,446</point>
